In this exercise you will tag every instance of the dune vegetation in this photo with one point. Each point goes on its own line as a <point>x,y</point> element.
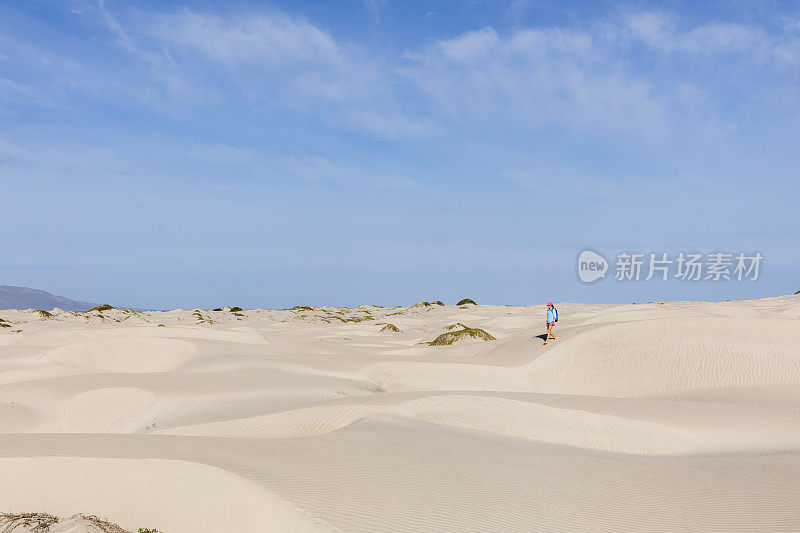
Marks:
<point>465,333</point>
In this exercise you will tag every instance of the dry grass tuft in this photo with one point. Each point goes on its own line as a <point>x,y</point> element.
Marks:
<point>446,339</point>
<point>104,307</point>
<point>102,524</point>
<point>42,522</point>
<point>428,304</point>
<point>33,522</point>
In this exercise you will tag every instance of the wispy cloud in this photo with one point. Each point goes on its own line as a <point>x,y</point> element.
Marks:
<point>12,93</point>
<point>373,7</point>
<point>590,78</point>
<point>114,26</point>
<point>275,59</point>
<point>274,40</point>
<point>540,77</point>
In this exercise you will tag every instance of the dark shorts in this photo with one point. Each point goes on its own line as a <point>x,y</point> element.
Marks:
<point>551,324</point>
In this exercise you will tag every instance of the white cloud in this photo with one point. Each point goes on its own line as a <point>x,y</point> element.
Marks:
<point>719,38</point>
<point>604,79</point>
<point>261,40</point>
<point>654,28</point>
<point>471,47</point>
<point>590,79</point>
<point>277,60</point>
<point>660,31</point>
<point>536,76</point>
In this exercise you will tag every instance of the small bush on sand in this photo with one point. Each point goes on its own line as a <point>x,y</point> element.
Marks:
<point>217,309</point>
<point>301,308</point>
<point>236,309</point>
<point>45,314</point>
<point>446,339</point>
<point>104,307</point>
<point>390,328</point>
<point>428,304</point>
<point>466,301</point>
<point>457,325</point>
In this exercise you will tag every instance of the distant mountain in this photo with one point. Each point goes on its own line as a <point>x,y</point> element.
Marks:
<point>26,298</point>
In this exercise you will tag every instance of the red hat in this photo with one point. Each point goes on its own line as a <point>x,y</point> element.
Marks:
<point>549,303</point>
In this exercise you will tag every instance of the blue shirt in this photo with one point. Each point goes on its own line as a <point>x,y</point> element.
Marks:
<point>552,314</point>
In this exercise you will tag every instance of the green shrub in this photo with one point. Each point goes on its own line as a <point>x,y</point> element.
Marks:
<point>104,307</point>
<point>466,301</point>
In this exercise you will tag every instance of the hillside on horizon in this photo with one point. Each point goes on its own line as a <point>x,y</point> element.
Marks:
<point>13,297</point>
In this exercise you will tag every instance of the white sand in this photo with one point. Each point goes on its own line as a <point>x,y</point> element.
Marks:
<point>647,418</point>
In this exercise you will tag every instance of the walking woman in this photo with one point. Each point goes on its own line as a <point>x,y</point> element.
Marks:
<point>552,318</point>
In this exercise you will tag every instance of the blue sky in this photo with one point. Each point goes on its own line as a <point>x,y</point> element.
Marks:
<point>196,154</point>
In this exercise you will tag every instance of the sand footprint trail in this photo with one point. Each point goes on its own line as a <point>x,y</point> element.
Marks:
<point>660,417</point>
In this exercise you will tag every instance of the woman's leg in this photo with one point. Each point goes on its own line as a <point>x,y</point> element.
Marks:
<point>547,335</point>
<point>550,332</point>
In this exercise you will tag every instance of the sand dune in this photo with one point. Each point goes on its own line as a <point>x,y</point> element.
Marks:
<point>654,418</point>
